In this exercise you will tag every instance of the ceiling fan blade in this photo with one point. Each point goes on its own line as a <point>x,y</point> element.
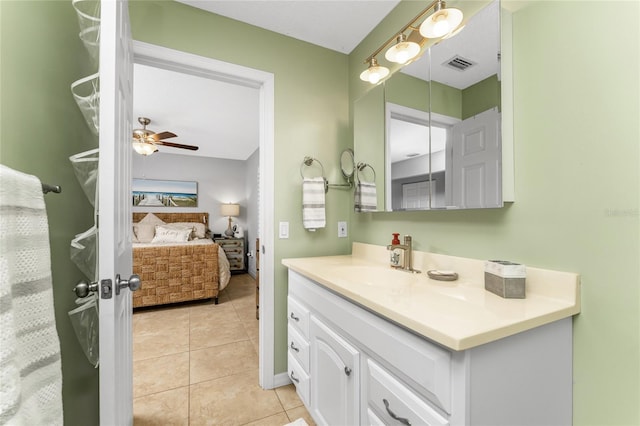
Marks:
<point>177,145</point>
<point>162,135</point>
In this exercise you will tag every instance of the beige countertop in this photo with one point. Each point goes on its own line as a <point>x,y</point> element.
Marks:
<point>457,314</point>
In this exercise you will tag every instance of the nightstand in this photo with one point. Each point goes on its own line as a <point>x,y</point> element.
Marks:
<point>234,249</point>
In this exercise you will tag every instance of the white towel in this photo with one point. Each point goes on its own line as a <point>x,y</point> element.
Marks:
<point>313,214</point>
<point>365,199</point>
<point>30,368</point>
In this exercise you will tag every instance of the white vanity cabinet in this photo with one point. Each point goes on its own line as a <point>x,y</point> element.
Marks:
<point>366,370</point>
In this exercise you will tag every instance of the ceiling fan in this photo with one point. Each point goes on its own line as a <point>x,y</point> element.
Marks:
<point>146,141</point>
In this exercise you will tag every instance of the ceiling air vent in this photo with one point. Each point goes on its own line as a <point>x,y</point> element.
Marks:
<point>459,63</point>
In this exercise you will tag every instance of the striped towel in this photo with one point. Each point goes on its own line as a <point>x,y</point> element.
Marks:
<point>365,199</point>
<point>313,215</point>
<point>30,368</point>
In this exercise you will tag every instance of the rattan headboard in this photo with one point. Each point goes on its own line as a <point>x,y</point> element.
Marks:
<point>175,217</point>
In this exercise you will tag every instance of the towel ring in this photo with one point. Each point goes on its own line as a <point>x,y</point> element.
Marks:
<point>308,161</point>
<point>362,166</point>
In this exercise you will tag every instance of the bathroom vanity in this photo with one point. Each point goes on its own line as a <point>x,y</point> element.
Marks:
<point>372,345</point>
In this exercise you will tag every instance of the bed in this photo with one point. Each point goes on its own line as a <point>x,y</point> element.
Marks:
<point>176,259</point>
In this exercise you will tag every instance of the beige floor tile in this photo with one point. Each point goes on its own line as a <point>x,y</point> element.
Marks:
<point>221,361</point>
<point>279,419</point>
<point>207,334</point>
<point>288,397</point>
<point>160,374</point>
<point>296,413</point>
<point>169,408</point>
<point>231,400</point>
<point>160,332</point>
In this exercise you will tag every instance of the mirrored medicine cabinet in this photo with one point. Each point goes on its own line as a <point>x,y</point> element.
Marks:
<point>435,129</point>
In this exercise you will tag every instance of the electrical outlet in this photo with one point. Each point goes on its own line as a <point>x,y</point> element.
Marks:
<point>283,230</point>
<point>342,229</point>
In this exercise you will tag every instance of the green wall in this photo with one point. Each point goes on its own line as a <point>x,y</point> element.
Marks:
<point>311,119</point>
<point>576,109</point>
<point>576,143</point>
<point>40,127</point>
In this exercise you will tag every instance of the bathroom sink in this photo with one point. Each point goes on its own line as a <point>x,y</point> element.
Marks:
<point>375,276</point>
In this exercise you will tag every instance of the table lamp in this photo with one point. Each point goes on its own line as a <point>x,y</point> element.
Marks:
<point>231,210</point>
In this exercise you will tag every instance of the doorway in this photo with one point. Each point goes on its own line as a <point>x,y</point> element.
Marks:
<point>169,59</point>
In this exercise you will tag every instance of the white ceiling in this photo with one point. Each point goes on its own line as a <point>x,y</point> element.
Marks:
<point>335,24</point>
<point>222,118</point>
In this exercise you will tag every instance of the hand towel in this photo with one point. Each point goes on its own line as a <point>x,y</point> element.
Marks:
<point>313,214</point>
<point>30,367</point>
<point>365,199</point>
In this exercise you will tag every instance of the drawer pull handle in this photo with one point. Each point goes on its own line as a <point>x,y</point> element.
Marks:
<point>347,371</point>
<point>294,378</point>
<point>293,317</point>
<point>292,346</point>
<point>394,416</point>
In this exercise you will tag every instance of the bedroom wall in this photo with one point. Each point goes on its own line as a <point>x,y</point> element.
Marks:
<point>219,181</point>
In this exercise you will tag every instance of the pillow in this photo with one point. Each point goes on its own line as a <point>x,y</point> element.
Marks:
<point>170,235</point>
<point>152,219</point>
<point>199,229</point>
<point>181,225</point>
<point>144,232</point>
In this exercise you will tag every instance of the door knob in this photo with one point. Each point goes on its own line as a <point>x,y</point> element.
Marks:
<point>133,283</point>
<point>83,288</point>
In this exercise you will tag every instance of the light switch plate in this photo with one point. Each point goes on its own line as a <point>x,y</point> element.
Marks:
<point>283,232</point>
<point>342,229</point>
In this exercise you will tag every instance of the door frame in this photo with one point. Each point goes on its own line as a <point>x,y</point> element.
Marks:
<point>179,61</point>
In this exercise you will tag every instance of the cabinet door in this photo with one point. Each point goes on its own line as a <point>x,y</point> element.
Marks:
<point>335,373</point>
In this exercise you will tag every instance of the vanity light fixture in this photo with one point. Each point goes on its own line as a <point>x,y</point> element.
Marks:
<point>374,73</point>
<point>442,22</point>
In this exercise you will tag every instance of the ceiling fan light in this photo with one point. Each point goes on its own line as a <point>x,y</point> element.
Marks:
<point>374,73</point>
<point>144,148</point>
<point>443,21</point>
<point>403,51</point>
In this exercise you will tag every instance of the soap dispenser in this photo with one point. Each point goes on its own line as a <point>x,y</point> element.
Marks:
<point>395,258</point>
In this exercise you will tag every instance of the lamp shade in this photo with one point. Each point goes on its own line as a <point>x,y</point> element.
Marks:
<point>374,73</point>
<point>144,148</point>
<point>441,23</point>
<point>231,210</point>
<point>403,51</point>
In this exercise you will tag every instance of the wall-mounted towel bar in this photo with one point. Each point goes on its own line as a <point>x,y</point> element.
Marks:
<point>308,161</point>
<point>46,188</point>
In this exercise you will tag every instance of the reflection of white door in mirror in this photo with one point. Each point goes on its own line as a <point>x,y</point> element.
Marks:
<point>475,174</point>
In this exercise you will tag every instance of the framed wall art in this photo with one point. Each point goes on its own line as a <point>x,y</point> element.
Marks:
<point>164,193</point>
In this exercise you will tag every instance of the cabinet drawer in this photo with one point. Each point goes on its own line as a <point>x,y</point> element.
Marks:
<point>298,316</point>
<point>299,378</point>
<point>298,347</point>
<point>392,401</point>
<point>229,244</point>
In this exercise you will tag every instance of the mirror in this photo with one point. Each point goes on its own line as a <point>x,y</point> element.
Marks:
<point>347,164</point>
<point>442,139</point>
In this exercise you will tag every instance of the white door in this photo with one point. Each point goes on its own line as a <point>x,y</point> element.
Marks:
<point>114,209</point>
<point>477,161</point>
<point>334,376</point>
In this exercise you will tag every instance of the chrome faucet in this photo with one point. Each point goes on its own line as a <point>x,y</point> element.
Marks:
<point>407,259</point>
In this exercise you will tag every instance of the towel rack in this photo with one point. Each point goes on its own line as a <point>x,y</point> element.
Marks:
<point>308,161</point>
<point>46,188</point>
<point>362,166</point>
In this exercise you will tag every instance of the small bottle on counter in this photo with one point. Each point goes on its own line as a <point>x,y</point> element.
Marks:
<point>395,258</point>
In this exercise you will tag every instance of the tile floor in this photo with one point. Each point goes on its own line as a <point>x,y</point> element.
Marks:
<point>197,364</point>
